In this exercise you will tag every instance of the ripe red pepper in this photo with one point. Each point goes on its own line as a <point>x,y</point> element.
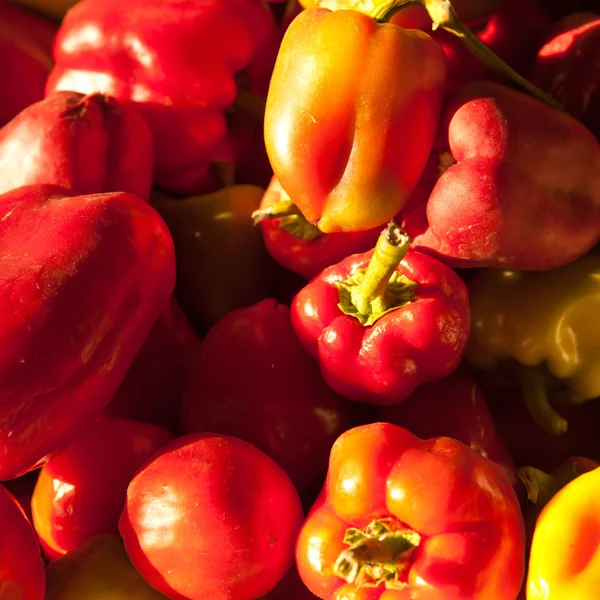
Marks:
<point>453,407</point>
<point>21,568</point>
<point>211,516</point>
<point>384,322</point>
<point>179,61</point>
<point>153,387</point>
<point>299,246</point>
<point>80,492</point>
<point>404,518</point>
<point>254,381</point>
<point>25,58</point>
<point>88,144</point>
<point>82,280</point>
<point>499,204</point>
<point>568,67</point>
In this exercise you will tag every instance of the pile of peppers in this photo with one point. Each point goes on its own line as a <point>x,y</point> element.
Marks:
<point>300,299</point>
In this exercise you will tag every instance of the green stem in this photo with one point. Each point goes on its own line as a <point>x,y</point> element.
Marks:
<point>283,208</point>
<point>542,487</point>
<point>443,15</point>
<point>250,103</point>
<point>290,218</point>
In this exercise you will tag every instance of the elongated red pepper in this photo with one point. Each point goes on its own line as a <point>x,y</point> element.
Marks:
<point>82,280</point>
<point>180,62</point>
<point>249,361</point>
<point>384,322</point>
<point>497,202</point>
<point>88,144</point>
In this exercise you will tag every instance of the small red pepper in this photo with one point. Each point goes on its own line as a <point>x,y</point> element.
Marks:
<point>80,492</point>
<point>88,144</point>
<point>82,280</point>
<point>404,518</point>
<point>497,203</point>
<point>254,381</point>
<point>183,64</point>
<point>453,407</point>
<point>384,322</point>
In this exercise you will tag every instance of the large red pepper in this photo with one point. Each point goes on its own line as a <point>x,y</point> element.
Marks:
<point>349,144</point>
<point>254,381</point>
<point>568,67</point>
<point>403,518</point>
<point>180,62</point>
<point>520,184</point>
<point>25,58</point>
<point>88,144</point>
<point>82,280</point>
<point>384,322</point>
<point>453,407</point>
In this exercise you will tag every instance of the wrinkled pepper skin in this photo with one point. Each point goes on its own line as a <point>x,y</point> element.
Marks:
<point>568,67</point>
<point>384,363</point>
<point>80,492</point>
<point>25,58</point>
<point>98,570</point>
<point>523,188</point>
<point>574,570</point>
<point>88,144</point>
<point>254,381</point>
<point>460,512</point>
<point>308,258</point>
<point>178,61</point>
<point>21,567</point>
<point>82,278</point>
<point>349,145</point>
<point>453,407</point>
<point>229,517</point>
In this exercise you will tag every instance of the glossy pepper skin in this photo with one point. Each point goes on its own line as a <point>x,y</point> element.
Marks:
<point>21,567</point>
<point>178,61</point>
<point>419,339</point>
<point>541,319</point>
<point>88,144</point>
<point>25,58</point>
<point>568,67</point>
<point>349,145</point>
<point>573,571</point>
<point>98,570</point>
<point>290,240</point>
<point>83,279</point>
<point>453,407</point>
<point>80,492</point>
<point>254,381</point>
<point>497,203</point>
<point>443,521</point>
<point>228,520</point>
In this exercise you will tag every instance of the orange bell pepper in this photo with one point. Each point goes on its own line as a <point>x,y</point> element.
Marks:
<point>350,142</point>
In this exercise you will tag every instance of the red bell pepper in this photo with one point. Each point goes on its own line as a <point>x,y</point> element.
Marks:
<point>88,144</point>
<point>80,492</point>
<point>181,62</point>
<point>404,518</point>
<point>153,387</point>
<point>82,280</point>
<point>453,407</point>
<point>21,568</point>
<point>211,516</point>
<point>25,58</point>
<point>254,381</point>
<point>300,246</point>
<point>568,67</point>
<point>497,203</point>
<point>384,322</point>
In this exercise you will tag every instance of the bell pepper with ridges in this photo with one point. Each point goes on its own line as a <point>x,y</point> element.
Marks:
<point>384,322</point>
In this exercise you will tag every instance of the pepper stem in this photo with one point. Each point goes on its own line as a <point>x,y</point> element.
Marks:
<point>378,554</point>
<point>541,487</point>
<point>443,15</point>
<point>250,103</point>
<point>535,392</point>
<point>290,218</point>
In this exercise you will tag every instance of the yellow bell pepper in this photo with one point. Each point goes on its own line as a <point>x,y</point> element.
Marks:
<point>564,563</point>
<point>548,323</point>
